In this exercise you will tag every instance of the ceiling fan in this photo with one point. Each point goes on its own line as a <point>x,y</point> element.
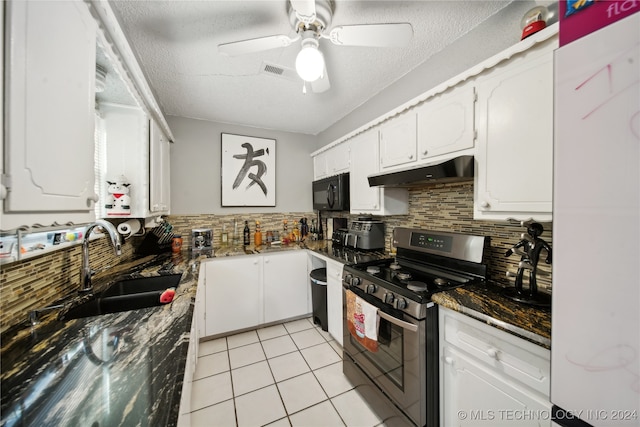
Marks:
<point>310,20</point>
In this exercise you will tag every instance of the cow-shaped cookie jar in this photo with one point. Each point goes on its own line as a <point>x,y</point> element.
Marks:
<point>118,201</point>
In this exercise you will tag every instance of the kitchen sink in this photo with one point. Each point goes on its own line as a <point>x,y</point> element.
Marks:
<point>125,295</point>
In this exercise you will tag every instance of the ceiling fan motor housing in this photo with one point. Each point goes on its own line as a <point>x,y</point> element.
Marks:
<point>324,13</point>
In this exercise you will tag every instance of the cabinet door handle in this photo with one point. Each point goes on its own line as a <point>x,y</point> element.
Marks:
<point>266,260</point>
<point>425,152</point>
<point>411,157</point>
<point>492,353</point>
<point>485,205</point>
<point>448,360</point>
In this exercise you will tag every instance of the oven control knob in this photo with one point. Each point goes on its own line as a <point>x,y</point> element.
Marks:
<point>355,281</point>
<point>370,288</point>
<point>347,278</point>
<point>400,304</point>
<point>388,298</point>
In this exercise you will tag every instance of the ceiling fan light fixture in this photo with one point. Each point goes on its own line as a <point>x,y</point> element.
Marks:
<point>310,61</point>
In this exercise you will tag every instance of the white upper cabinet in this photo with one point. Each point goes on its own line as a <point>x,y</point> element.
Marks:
<point>398,141</point>
<point>49,78</point>
<point>160,171</point>
<point>332,161</point>
<point>514,173</point>
<point>445,122</point>
<point>372,200</point>
<point>127,146</point>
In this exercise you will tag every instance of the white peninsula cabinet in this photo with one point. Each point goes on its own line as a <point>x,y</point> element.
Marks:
<point>247,291</point>
<point>514,155</point>
<point>490,377</point>
<point>372,200</point>
<point>49,77</point>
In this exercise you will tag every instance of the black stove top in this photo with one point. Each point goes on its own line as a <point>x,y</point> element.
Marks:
<point>415,282</point>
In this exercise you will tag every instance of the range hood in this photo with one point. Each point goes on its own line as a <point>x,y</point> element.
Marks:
<point>453,170</point>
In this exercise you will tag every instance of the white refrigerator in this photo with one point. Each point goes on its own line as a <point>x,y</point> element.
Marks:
<point>595,333</point>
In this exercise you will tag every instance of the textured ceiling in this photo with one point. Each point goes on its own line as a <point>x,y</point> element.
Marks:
<point>176,44</point>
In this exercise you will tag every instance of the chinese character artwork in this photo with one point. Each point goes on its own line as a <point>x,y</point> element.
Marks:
<point>248,171</point>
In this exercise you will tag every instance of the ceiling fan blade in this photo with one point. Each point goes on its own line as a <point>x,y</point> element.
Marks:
<point>375,35</point>
<point>305,10</point>
<point>255,45</point>
<point>322,84</point>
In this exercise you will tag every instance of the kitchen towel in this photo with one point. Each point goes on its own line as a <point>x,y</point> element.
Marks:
<point>362,321</point>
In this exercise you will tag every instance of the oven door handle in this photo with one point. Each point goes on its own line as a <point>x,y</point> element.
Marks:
<point>405,325</point>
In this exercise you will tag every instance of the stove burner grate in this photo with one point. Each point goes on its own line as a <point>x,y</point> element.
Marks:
<point>417,286</point>
<point>403,275</point>
<point>373,269</point>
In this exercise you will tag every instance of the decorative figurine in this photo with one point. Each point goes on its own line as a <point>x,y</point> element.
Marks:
<point>118,202</point>
<point>531,248</point>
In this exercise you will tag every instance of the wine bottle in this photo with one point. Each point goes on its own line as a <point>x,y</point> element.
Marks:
<point>247,234</point>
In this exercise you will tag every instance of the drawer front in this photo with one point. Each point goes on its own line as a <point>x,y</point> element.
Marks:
<point>525,362</point>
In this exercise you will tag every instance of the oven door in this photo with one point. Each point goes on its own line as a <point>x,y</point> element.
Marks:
<point>399,365</point>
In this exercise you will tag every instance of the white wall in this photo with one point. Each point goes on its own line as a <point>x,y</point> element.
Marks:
<point>196,160</point>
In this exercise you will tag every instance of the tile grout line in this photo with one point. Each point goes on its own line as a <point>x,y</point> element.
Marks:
<point>298,350</point>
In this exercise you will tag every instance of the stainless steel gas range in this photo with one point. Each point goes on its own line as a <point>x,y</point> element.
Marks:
<point>403,363</point>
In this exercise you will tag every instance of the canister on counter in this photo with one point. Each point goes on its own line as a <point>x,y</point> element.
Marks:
<point>201,238</point>
<point>176,244</point>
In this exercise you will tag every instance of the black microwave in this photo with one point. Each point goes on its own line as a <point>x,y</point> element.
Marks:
<point>332,193</point>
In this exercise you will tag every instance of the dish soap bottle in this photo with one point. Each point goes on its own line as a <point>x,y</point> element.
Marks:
<point>247,234</point>
<point>257,237</point>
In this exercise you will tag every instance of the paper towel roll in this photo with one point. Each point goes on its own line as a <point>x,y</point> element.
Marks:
<point>129,227</point>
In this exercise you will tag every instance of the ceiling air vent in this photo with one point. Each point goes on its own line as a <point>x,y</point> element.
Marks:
<point>279,71</point>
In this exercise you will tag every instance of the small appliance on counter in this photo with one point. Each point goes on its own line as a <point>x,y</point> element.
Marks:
<point>334,224</point>
<point>201,239</point>
<point>364,234</point>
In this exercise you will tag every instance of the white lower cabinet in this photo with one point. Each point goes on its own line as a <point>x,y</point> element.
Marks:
<point>286,286</point>
<point>233,293</point>
<point>250,290</point>
<point>490,377</point>
<point>184,413</point>
<point>334,299</point>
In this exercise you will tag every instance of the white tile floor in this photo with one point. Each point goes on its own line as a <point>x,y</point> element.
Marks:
<point>283,375</point>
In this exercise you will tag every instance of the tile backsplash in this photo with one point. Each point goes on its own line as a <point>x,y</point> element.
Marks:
<point>449,207</point>
<point>37,282</point>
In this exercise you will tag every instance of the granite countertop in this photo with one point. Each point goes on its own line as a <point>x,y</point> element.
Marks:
<point>117,369</point>
<point>127,368</point>
<point>487,303</point>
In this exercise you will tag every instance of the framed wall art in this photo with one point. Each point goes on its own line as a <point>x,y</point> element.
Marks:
<point>248,171</point>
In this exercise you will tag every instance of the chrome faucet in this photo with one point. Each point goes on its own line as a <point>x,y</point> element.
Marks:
<point>86,272</point>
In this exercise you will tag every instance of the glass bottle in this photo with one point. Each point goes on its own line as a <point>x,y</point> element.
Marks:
<point>257,237</point>
<point>247,234</point>
<point>224,237</point>
<point>285,232</point>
